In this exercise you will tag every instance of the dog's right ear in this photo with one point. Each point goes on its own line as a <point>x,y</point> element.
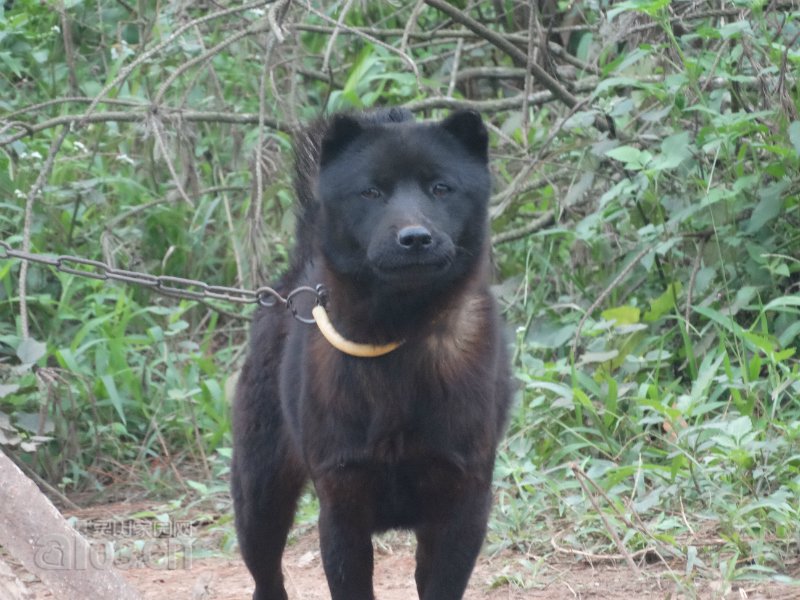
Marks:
<point>341,132</point>
<point>468,128</point>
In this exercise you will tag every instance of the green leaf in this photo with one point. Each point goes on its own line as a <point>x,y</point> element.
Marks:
<point>769,207</point>
<point>725,321</point>
<point>788,335</point>
<point>556,388</point>
<point>734,29</point>
<point>598,357</point>
<point>766,345</point>
<point>213,389</point>
<point>550,335</point>
<point>7,389</point>
<point>784,303</point>
<point>633,158</point>
<point>11,62</point>
<point>113,395</point>
<point>674,150</point>
<point>794,135</point>
<point>30,351</point>
<point>705,376</point>
<point>622,315</point>
<point>691,560</point>
<point>664,303</point>
<point>630,59</point>
<point>30,422</point>
<point>624,153</point>
<point>66,359</point>
<point>650,7</point>
<point>198,487</point>
<point>738,428</point>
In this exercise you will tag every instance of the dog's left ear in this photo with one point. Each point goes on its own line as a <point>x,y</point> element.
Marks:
<point>468,128</point>
<point>342,130</point>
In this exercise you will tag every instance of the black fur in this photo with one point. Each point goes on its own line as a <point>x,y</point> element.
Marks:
<point>392,218</point>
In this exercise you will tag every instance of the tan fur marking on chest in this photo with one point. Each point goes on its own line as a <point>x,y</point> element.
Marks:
<point>458,334</point>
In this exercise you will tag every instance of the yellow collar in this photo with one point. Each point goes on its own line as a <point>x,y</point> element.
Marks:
<point>336,339</point>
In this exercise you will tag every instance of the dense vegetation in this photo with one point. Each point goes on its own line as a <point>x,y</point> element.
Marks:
<point>645,226</point>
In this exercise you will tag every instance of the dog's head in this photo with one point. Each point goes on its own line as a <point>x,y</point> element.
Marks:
<point>404,204</point>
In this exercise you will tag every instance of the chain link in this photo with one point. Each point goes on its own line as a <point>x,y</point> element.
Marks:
<point>176,287</point>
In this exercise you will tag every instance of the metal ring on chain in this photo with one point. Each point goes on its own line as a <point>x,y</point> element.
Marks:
<point>268,297</point>
<point>101,272</point>
<point>290,302</point>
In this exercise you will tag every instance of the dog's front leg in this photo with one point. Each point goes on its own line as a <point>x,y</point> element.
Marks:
<point>345,531</point>
<point>447,548</point>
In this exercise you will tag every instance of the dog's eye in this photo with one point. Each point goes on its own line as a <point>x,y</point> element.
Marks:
<point>440,189</point>
<point>371,193</point>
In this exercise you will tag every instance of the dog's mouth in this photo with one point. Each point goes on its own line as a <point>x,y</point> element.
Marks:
<point>412,272</point>
<point>406,266</point>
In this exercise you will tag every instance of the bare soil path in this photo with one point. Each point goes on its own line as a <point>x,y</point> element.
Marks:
<point>508,576</point>
<point>219,579</point>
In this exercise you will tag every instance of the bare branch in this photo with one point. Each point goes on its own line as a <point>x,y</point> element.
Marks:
<point>166,114</point>
<point>543,221</point>
<point>607,292</point>
<point>408,60</point>
<point>68,99</point>
<point>326,58</point>
<point>157,128</point>
<point>456,64</point>
<point>144,56</point>
<point>582,478</point>
<point>69,51</point>
<point>34,192</point>
<point>206,56</point>
<point>436,35</point>
<point>506,46</point>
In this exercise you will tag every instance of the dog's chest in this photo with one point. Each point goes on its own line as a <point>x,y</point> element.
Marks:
<point>428,400</point>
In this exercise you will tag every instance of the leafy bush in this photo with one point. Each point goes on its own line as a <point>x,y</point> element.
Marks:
<point>646,241</point>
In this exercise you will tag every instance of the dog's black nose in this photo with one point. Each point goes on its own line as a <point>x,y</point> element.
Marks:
<point>414,237</point>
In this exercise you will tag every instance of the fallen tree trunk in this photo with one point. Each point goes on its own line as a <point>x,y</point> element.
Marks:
<point>35,533</point>
<point>11,588</point>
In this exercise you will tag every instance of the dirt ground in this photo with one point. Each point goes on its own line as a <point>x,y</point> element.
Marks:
<point>201,574</point>
<point>217,579</point>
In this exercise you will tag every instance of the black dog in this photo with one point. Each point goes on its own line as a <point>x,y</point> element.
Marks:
<point>393,221</point>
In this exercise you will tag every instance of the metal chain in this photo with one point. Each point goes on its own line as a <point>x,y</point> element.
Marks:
<point>177,287</point>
